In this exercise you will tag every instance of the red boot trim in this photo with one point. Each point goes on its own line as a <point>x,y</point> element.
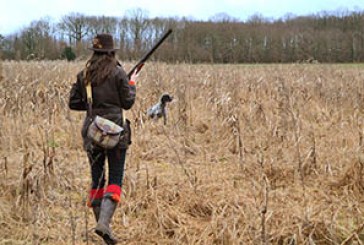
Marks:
<point>96,193</point>
<point>115,192</point>
<point>115,197</point>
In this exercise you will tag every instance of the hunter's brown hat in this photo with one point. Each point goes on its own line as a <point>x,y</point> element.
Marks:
<point>103,43</point>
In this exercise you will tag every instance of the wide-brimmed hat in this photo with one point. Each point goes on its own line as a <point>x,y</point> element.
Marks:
<point>103,43</point>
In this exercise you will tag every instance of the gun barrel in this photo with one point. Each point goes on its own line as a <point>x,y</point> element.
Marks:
<point>150,52</point>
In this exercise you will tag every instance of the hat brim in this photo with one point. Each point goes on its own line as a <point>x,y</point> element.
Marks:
<point>103,50</point>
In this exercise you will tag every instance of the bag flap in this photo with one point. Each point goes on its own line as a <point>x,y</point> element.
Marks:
<point>107,126</point>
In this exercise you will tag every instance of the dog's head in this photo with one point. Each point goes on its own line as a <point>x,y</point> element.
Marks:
<point>166,98</point>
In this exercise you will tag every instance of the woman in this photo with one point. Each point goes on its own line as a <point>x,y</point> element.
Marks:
<point>112,91</point>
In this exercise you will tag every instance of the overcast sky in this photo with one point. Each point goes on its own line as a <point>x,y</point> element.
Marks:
<point>17,14</point>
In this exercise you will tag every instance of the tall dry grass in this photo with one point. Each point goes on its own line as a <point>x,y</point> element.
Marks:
<point>265,154</point>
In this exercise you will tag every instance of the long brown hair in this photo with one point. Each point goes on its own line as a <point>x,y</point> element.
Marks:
<point>99,67</point>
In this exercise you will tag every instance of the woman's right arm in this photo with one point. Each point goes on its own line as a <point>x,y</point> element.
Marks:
<point>127,90</point>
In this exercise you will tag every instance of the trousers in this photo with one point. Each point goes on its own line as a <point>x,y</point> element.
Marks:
<point>116,166</point>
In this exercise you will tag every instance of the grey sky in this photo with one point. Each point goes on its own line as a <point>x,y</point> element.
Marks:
<point>16,14</point>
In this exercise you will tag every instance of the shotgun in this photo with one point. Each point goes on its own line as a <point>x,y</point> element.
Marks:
<point>141,62</point>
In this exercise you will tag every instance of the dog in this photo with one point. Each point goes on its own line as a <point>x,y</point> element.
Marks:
<point>159,110</point>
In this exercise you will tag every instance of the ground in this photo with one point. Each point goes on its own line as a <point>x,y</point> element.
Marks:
<point>269,154</point>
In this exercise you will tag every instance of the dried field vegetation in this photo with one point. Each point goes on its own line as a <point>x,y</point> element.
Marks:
<point>260,154</point>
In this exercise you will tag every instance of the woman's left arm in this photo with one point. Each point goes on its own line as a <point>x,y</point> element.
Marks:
<point>77,101</point>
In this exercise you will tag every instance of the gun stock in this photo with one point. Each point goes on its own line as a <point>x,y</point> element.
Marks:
<point>142,61</point>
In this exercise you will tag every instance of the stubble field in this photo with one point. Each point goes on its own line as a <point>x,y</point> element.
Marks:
<point>251,154</point>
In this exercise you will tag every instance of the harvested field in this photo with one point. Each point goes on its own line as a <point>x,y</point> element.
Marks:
<point>251,154</point>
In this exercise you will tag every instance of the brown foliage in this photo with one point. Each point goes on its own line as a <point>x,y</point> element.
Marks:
<point>264,154</point>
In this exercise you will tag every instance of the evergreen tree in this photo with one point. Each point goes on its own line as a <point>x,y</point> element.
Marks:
<point>68,54</point>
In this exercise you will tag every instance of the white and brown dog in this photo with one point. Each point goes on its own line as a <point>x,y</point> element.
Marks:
<point>159,110</point>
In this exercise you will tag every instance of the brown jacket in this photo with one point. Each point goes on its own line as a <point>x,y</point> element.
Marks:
<point>108,98</point>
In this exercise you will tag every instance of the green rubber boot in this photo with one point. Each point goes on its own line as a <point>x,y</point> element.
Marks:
<point>96,211</point>
<point>102,229</point>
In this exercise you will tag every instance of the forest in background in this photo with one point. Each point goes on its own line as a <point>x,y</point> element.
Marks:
<point>327,37</point>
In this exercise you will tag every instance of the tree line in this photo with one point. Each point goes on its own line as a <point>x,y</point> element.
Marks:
<point>322,37</point>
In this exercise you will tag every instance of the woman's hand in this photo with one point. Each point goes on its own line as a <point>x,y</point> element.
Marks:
<point>133,77</point>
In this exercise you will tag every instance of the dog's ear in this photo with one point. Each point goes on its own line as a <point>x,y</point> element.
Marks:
<point>166,98</point>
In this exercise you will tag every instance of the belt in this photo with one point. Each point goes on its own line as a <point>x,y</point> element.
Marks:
<point>106,110</point>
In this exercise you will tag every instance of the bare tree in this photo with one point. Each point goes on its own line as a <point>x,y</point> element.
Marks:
<point>76,27</point>
<point>102,24</point>
<point>326,37</point>
<point>137,25</point>
<point>2,38</point>
<point>223,17</point>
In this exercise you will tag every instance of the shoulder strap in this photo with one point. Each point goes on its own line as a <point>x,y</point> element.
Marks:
<point>88,93</point>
